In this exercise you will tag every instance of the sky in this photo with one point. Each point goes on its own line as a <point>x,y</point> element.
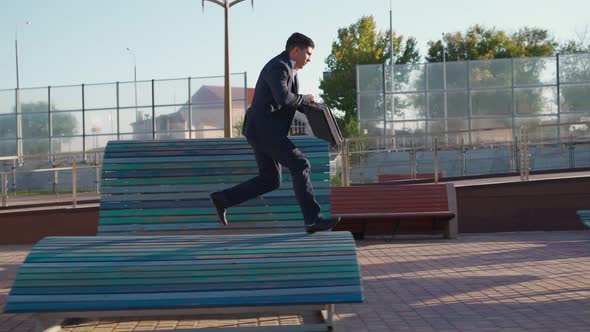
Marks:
<point>70,42</point>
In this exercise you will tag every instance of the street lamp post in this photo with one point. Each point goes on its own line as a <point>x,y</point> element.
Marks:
<point>445,90</point>
<point>392,64</point>
<point>19,116</point>
<point>227,102</point>
<point>137,116</point>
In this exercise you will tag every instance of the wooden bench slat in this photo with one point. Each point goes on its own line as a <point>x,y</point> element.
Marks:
<point>187,151</point>
<point>203,202</point>
<point>203,195</point>
<point>193,303</point>
<point>203,263</point>
<point>180,253</point>
<point>187,278</point>
<point>227,179</point>
<point>205,187</point>
<point>107,221</point>
<point>413,214</point>
<point>164,267</point>
<point>253,169</point>
<point>318,157</point>
<point>199,211</point>
<point>162,165</point>
<point>203,142</point>
<point>186,287</point>
<point>177,296</point>
<point>136,275</point>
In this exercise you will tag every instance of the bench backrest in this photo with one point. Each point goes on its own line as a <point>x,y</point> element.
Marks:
<point>163,187</point>
<point>406,176</point>
<point>391,198</point>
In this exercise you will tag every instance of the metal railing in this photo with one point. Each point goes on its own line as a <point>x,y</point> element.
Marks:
<point>366,159</point>
<point>43,176</point>
<point>357,161</point>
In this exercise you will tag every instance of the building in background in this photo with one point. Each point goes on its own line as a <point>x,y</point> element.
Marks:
<point>206,116</point>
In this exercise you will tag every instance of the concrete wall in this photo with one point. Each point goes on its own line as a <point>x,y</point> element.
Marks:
<point>29,226</point>
<point>541,205</point>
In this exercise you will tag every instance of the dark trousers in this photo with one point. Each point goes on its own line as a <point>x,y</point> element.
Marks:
<point>270,155</point>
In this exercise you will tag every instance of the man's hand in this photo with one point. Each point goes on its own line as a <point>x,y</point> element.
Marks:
<point>308,100</point>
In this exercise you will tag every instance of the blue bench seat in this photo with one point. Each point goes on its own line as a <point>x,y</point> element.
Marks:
<point>160,249</point>
<point>584,217</point>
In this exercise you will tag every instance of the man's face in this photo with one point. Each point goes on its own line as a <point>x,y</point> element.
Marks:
<point>302,56</point>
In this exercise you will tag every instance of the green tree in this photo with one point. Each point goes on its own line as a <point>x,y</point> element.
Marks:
<point>35,126</point>
<point>481,43</point>
<point>579,45</point>
<point>359,43</point>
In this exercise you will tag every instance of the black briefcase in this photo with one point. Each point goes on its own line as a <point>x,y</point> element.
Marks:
<point>323,123</point>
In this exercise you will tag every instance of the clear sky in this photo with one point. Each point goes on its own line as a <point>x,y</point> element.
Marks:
<point>83,41</point>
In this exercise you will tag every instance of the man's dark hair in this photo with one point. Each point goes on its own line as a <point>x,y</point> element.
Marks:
<point>299,40</point>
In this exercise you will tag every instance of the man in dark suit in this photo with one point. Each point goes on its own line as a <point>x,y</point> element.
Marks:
<point>266,126</point>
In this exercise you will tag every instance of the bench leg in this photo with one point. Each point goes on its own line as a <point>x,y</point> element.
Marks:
<point>451,229</point>
<point>328,314</point>
<point>395,229</point>
<point>47,325</point>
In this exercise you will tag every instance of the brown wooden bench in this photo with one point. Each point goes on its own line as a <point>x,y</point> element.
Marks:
<point>373,205</point>
<point>406,176</point>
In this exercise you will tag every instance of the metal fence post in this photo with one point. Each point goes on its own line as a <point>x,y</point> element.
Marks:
<point>55,182</point>
<point>463,157</point>
<point>361,161</point>
<point>345,163</point>
<point>435,160</point>
<point>524,154</point>
<point>4,189</point>
<point>190,110</point>
<point>14,163</point>
<point>412,160</point>
<point>514,154</point>
<point>572,153</point>
<point>74,184</point>
<point>97,181</point>
<point>153,111</point>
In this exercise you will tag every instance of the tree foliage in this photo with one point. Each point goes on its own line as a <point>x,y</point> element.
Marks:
<point>581,44</point>
<point>481,43</point>
<point>35,128</point>
<point>359,43</point>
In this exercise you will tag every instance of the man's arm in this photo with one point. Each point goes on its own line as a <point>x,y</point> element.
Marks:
<point>277,81</point>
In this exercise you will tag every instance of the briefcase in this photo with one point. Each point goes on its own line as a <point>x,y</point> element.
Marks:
<point>323,123</point>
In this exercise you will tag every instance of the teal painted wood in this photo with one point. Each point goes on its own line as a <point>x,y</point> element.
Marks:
<point>162,187</point>
<point>584,217</point>
<point>123,273</point>
<point>146,184</point>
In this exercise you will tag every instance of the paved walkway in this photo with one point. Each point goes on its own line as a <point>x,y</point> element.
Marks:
<point>536,281</point>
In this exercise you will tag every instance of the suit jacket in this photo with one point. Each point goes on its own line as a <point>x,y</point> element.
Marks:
<point>274,102</point>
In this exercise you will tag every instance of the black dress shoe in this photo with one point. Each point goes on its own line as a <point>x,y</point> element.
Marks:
<point>216,200</point>
<point>322,225</point>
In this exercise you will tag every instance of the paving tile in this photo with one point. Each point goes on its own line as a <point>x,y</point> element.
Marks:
<point>530,281</point>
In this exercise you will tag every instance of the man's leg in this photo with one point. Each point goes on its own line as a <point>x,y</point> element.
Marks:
<point>288,155</point>
<point>268,179</point>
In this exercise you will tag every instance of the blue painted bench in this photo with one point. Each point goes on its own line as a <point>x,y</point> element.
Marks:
<point>584,217</point>
<point>161,251</point>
